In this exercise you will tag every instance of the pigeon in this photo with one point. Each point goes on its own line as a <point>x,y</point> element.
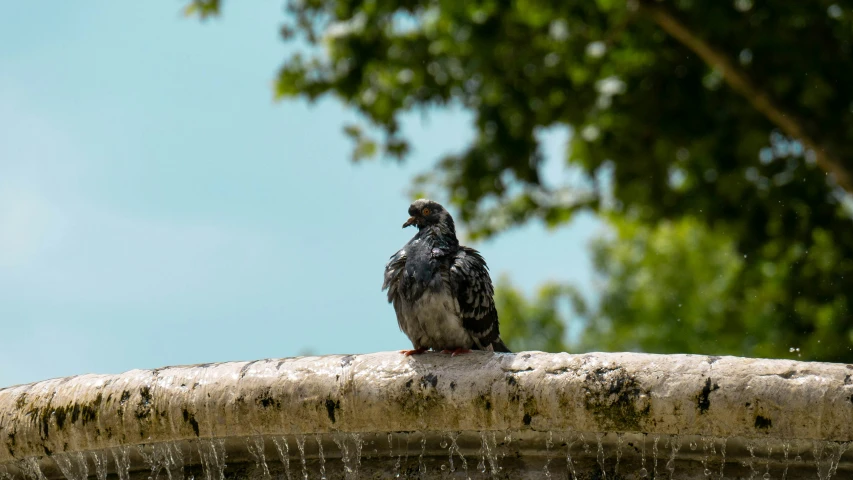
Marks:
<point>441,290</point>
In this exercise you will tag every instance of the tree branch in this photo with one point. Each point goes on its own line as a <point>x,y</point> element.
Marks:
<point>738,80</point>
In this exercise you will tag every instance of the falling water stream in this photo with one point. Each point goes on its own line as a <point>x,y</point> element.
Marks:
<point>551,454</point>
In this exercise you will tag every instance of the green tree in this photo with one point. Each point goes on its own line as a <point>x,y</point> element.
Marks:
<point>736,114</point>
<point>532,324</point>
<point>674,287</point>
<point>679,287</point>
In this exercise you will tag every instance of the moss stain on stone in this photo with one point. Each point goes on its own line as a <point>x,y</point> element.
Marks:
<point>125,396</point>
<point>763,423</point>
<point>429,379</point>
<point>11,443</point>
<point>60,417</point>
<point>703,400</point>
<point>190,418</point>
<point>331,407</point>
<point>484,403</point>
<point>616,399</point>
<point>266,400</point>
<point>143,409</point>
<point>417,399</point>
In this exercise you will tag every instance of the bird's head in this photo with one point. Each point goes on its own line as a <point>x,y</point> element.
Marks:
<point>426,213</point>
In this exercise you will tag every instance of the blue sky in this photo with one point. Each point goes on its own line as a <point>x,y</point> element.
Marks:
<point>157,207</point>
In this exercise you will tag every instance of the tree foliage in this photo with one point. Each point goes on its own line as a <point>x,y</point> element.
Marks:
<point>536,324</point>
<point>680,287</point>
<point>734,116</point>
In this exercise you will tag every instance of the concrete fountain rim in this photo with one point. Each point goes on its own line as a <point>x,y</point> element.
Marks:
<point>386,392</point>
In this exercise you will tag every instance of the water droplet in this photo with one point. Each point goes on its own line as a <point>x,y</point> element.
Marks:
<point>693,445</point>
<point>443,467</point>
<point>644,473</point>
<point>443,444</point>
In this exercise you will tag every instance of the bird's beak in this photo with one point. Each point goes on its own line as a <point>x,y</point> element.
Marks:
<point>409,222</point>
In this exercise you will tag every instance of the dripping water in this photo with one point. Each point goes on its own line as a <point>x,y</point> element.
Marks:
<point>493,459</point>
<point>121,455</point>
<point>817,451</point>
<point>256,446</point>
<point>421,465</point>
<point>283,453</point>
<point>300,443</point>
<point>212,455</point>
<point>444,444</point>
<point>341,442</point>
<point>569,463</point>
<point>72,465</point>
<point>159,457</point>
<point>406,461</point>
<point>148,458</point>
<point>351,458</point>
<point>599,454</point>
<point>391,455</point>
<point>723,455</point>
<point>490,452</point>
<point>655,455</point>
<point>455,447</point>
<point>31,469</point>
<point>766,475</point>
<point>833,458</point>
<point>322,457</point>
<point>643,472</point>
<point>619,439</point>
<point>359,444</point>
<point>786,447</point>
<point>548,444</point>
<point>751,462</point>
<point>100,459</point>
<point>176,457</point>
<point>675,445</point>
<point>706,455</point>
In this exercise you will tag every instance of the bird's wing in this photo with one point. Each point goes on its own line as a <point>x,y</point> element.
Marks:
<point>472,288</point>
<point>393,271</point>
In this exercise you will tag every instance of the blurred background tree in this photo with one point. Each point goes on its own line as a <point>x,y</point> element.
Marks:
<point>714,138</point>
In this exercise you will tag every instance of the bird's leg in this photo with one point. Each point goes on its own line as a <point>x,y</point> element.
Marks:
<point>416,351</point>
<point>459,351</point>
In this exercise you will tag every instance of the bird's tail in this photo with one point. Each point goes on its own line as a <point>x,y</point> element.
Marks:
<point>499,346</point>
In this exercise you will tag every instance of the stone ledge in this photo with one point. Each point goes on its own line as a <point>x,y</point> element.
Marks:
<point>386,392</point>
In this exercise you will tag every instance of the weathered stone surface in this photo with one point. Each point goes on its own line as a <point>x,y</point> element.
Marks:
<point>386,392</point>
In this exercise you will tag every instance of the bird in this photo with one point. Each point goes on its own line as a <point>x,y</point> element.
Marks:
<point>441,291</point>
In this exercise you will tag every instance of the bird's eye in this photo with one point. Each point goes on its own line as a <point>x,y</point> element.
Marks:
<point>425,211</point>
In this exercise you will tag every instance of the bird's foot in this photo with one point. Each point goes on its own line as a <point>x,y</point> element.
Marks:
<point>458,351</point>
<point>416,351</point>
